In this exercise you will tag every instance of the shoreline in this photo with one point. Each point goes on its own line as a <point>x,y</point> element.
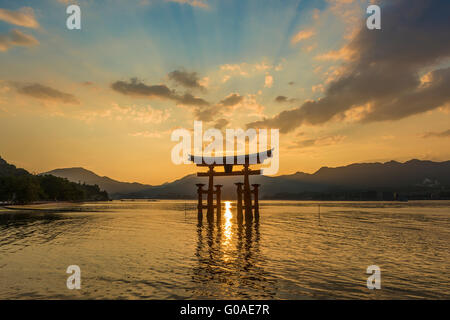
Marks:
<point>48,206</point>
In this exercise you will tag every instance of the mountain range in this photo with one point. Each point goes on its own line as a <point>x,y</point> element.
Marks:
<point>109,185</point>
<point>360,180</point>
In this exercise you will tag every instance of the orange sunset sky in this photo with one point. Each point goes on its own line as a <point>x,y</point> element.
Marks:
<point>108,96</point>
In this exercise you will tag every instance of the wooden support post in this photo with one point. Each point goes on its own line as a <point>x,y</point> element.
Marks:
<point>256,201</point>
<point>210,210</point>
<point>200,200</point>
<point>247,195</point>
<point>240,217</point>
<point>218,201</point>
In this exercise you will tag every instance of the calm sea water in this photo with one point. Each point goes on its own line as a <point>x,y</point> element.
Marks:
<point>157,250</point>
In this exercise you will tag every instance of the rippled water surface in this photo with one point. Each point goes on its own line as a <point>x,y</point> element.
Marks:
<point>157,250</point>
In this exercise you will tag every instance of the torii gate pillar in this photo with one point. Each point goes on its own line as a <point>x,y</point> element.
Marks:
<point>240,216</point>
<point>200,201</point>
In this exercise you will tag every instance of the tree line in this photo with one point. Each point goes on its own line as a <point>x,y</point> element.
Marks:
<point>19,186</point>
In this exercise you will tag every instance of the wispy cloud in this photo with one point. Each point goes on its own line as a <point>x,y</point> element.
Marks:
<point>135,87</point>
<point>345,53</point>
<point>186,79</point>
<point>246,69</point>
<point>441,134</point>
<point>317,142</point>
<point>24,17</point>
<point>231,100</point>
<point>268,81</point>
<point>234,102</point>
<point>302,35</point>
<point>45,93</point>
<point>284,99</point>
<point>193,3</point>
<point>221,123</point>
<point>140,114</point>
<point>16,38</point>
<point>149,134</point>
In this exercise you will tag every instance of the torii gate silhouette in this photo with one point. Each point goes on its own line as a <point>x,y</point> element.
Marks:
<point>242,188</point>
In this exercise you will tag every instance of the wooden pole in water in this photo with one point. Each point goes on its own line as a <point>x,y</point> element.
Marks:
<point>210,204</point>
<point>247,196</point>
<point>218,201</point>
<point>256,201</point>
<point>240,217</point>
<point>200,200</point>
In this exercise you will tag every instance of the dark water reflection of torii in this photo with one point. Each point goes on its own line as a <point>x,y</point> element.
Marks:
<point>229,262</point>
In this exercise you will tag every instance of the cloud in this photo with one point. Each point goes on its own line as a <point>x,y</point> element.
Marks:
<point>318,88</point>
<point>206,114</point>
<point>310,48</point>
<point>316,14</point>
<point>193,3</point>
<point>281,99</point>
<point>16,38</point>
<point>442,134</point>
<point>189,100</point>
<point>231,100</point>
<point>345,53</point>
<point>239,69</point>
<point>246,69</point>
<point>137,88</point>
<point>318,142</point>
<point>46,93</point>
<point>186,79</point>
<point>385,69</point>
<point>221,123</point>
<point>209,112</point>
<point>146,134</point>
<point>302,35</point>
<point>234,102</point>
<point>268,81</point>
<point>140,114</point>
<point>150,134</point>
<point>284,99</point>
<point>24,17</point>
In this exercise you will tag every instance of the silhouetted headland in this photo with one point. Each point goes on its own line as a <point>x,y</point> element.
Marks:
<point>18,186</point>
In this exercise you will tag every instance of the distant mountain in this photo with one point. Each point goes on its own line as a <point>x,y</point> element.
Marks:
<point>346,182</point>
<point>391,174</point>
<point>109,185</point>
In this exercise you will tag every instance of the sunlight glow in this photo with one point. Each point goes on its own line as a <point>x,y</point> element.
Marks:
<point>228,215</point>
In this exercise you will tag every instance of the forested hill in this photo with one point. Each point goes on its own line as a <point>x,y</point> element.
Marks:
<point>19,186</point>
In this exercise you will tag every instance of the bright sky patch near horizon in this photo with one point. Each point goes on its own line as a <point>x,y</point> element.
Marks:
<point>107,97</point>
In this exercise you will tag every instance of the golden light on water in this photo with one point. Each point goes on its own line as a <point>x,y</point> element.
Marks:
<point>228,215</point>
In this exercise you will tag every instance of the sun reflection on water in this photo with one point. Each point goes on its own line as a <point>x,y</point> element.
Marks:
<point>227,228</point>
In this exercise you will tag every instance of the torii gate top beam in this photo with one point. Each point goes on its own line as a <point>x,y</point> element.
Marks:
<point>247,159</point>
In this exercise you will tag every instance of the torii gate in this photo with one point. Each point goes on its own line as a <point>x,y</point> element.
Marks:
<point>228,162</point>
